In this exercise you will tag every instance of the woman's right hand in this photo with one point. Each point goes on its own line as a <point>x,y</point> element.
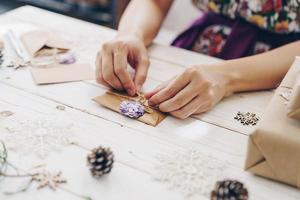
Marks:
<point>113,59</point>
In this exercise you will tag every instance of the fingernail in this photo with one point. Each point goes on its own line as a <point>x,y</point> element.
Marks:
<point>138,87</point>
<point>150,103</point>
<point>147,96</point>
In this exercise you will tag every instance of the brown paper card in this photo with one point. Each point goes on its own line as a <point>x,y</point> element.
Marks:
<point>274,147</point>
<point>62,73</point>
<point>35,41</point>
<point>112,100</point>
<point>294,103</point>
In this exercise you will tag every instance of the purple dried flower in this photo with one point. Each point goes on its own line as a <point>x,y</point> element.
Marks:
<point>66,58</point>
<point>132,109</point>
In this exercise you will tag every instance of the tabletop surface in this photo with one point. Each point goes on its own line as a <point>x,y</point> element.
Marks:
<point>136,146</point>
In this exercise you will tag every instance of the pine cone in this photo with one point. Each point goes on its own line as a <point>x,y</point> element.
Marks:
<point>229,190</point>
<point>100,161</point>
<point>1,58</point>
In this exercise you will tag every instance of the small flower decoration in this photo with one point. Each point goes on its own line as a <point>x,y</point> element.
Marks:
<point>132,109</point>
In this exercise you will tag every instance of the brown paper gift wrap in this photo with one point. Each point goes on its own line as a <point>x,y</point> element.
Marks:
<point>60,73</point>
<point>112,101</point>
<point>274,147</point>
<point>294,104</point>
<point>43,42</point>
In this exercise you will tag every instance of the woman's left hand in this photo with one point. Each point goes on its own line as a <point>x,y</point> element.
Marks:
<point>195,91</point>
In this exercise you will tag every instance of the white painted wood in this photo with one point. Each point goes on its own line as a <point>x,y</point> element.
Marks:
<point>135,151</point>
<point>166,62</point>
<point>134,143</point>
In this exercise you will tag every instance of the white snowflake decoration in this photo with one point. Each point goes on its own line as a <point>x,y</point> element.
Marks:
<point>191,172</point>
<point>40,136</point>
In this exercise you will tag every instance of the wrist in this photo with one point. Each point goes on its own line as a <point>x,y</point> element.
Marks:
<point>137,35</point>
<point>226,78</point>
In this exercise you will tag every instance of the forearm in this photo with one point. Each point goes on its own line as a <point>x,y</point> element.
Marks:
<point>143,18</point>
<point>263,71</point>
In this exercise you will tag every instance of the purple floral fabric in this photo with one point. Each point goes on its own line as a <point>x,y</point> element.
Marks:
<point>212,40</point>
<point>226,38</point>
<point>280,16</point>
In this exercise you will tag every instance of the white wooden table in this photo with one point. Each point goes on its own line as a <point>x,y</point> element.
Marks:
<point>135,144</point>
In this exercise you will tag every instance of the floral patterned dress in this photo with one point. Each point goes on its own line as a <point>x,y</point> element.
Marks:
<point>260,25</point>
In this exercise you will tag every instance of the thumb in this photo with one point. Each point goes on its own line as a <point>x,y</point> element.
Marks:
<point>141,72</point>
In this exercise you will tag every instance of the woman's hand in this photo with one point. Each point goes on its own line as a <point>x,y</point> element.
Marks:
<point>113,59</point>
<point>194,91</point>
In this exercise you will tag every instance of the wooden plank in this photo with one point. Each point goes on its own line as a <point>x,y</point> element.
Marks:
<point>69,93</point>
<point>163,64</point>
<point>135,151</point>
<point>93,132</point>
<point>179,56</point>
<point>126,135</point>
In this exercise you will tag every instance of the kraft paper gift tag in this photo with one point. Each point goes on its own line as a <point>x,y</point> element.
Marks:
<point>42,42</point>
<point>274,147</point>
<point>112,100</point>
<point>62,73</point>
<point>294,103</point>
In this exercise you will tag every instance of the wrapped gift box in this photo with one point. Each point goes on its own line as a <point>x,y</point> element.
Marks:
<point>274,147</point>
<point>294,103</point>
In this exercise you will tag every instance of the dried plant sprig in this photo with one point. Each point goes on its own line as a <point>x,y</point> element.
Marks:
<point>20,190</point>
<point>3,155</point>
<point>43,179</point>
<point>3,158</point>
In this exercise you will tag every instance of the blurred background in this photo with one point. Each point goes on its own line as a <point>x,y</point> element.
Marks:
<point>108,13</point>
<point>105,12</point>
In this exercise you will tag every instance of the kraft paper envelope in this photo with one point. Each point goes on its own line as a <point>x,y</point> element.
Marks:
<point>62,73</point>
<point>274,147</point>
<point>294,104</point>
<point>39,40</point>
<point>112,100</point>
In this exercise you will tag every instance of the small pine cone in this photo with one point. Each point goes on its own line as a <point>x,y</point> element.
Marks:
<point>100,161</point>
<point>1,44</point>
<point>229,190</point>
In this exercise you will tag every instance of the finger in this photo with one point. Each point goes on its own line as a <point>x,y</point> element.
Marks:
<point>179,100</point>
<point>120,69</point>
<point>108,71</point>
<point>141,71</point>
<point>98,71</point>
<point>98,64</point>
<point>196,104</point>
<point>208,102</point>
<point>169,91</point>
<point>204,108</point>
<point>148,95</point>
